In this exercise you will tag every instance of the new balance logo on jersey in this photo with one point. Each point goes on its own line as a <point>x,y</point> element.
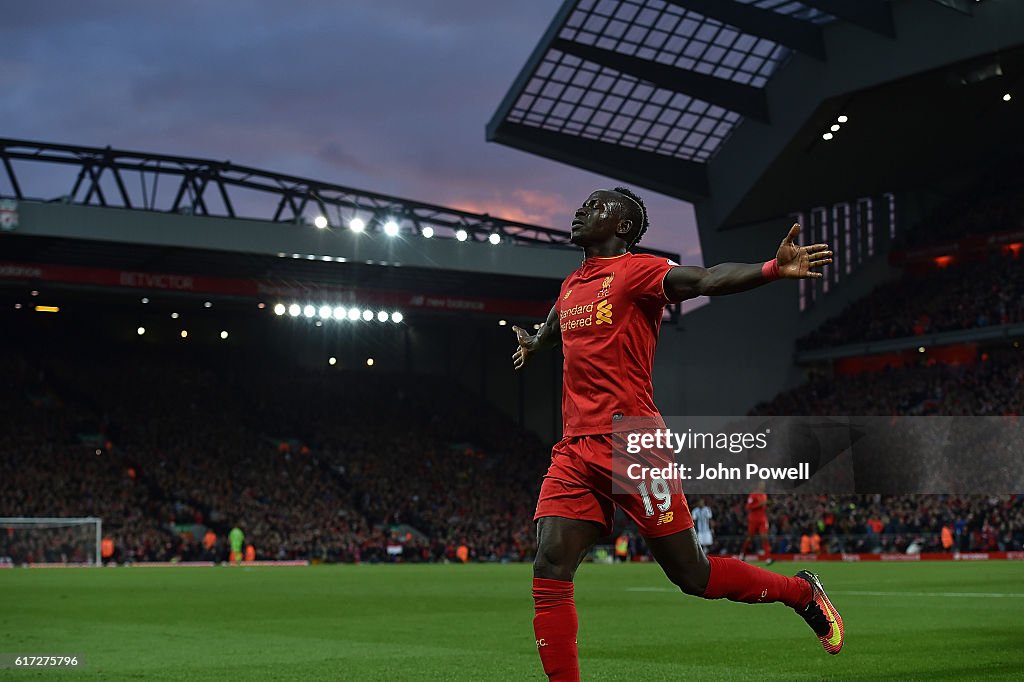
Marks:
<point>604,312</point>
<point>567,295</point>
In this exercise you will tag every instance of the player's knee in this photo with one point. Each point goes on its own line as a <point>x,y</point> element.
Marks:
<point>692,579</point>
<point>551,565</point>
<point>689,584</point>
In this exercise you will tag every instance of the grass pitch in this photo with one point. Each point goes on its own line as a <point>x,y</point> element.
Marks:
<point>934,621</point>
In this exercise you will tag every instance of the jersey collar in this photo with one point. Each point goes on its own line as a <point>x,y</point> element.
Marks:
<point>600,260</point>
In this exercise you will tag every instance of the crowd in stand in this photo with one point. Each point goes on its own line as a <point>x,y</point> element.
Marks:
<point>959,296</point>
<point>877,523</point>
<point>310,466</point>
<point>965,292</point>
<point>990,387</point>
<point>336,468</point>
<point>173,452</point>
<point>45,472</point>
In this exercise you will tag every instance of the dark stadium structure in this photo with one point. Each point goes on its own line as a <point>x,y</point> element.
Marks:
<point>100,229</point>
<point>146,314</point>
<point>857,119</point>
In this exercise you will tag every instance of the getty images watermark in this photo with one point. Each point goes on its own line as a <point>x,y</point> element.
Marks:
<point>668,440</point>
<point>822,455</point>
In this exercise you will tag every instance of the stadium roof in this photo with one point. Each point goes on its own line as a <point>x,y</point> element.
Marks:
<point>724,103</point>
<point>660,82</point>
<point>160,183</point>
<point>81,208</point>
<point>650,91</point>
<point>145,181</point>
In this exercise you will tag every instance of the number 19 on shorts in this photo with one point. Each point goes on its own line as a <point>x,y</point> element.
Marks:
<point>660,491</point>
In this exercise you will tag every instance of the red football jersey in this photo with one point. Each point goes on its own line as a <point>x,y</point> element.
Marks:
<point>756,506</point>
<point>610,312</point>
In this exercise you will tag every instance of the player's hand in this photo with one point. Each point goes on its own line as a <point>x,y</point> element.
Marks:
<point>801,262</point>
<point>527,346</point>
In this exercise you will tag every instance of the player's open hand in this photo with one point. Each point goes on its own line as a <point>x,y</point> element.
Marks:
<point>801,262</point>
<point>526,347</point>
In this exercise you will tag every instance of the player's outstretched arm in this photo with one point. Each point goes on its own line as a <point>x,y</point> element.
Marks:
<point>791,262</point>
<point>548,336</point>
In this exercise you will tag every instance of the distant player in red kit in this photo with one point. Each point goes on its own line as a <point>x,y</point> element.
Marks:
<point>757,523</point>
<point>606,319</point>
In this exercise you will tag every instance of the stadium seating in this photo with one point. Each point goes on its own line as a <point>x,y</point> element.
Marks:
<point>313,465</point>
<point>963,292</point>
<point>990,387</point>
<point>960,296</point>
<point>875,523</point>
<point>310,466</point>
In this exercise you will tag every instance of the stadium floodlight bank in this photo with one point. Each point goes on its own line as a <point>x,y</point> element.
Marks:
<point>28,539</point>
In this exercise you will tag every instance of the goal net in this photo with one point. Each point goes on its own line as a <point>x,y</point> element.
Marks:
<point>33,540</point>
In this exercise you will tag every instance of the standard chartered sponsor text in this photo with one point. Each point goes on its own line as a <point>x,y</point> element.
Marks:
<point>587,321</point>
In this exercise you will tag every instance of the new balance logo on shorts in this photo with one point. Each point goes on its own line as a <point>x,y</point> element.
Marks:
<point>666,518</point>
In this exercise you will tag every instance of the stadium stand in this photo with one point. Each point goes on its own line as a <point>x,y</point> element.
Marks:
<point>313,466</point>
<point>949,290</point>
<point>960,296</point>
<point>166,446</point>
<point>874,524</point>
<point>308,468</point>
<point>988,387</point>
<point>938,293</point>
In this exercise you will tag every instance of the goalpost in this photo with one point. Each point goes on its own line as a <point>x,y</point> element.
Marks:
<point>42,540</point>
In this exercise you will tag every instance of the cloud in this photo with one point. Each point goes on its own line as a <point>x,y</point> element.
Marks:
<point>522,205</point>
<point>391,97</point>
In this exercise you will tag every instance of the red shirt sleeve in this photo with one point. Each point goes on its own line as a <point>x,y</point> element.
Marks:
<point>647,277</point>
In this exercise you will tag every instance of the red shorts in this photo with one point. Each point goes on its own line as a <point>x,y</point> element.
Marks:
<point>579,485</point>
<point>757,526</point>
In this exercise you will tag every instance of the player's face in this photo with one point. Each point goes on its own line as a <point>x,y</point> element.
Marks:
<point>596,220</point>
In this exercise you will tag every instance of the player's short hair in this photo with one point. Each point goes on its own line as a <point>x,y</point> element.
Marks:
<point>638,213</point>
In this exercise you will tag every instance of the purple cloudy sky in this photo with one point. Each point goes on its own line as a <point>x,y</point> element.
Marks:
<point>388,95</point>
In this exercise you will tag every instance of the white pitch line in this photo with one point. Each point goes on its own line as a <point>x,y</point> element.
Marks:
<point>994,595</point>
<point>863,593</point>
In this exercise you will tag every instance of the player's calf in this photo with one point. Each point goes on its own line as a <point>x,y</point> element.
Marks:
<point>561,545</point>
<point>555,625</point>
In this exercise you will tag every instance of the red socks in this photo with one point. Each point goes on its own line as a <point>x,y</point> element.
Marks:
<point>555,626</point>
<point>555,621</point>
<point>736,580</point>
